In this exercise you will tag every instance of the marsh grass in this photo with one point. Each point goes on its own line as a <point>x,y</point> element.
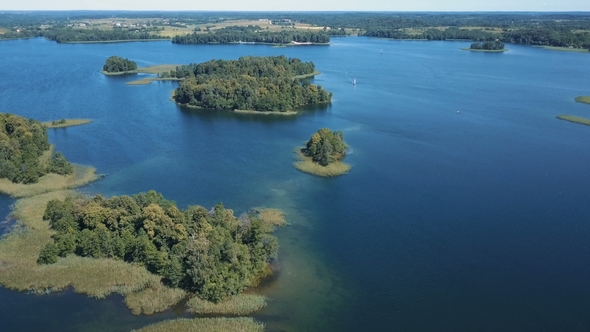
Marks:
<point>68,123</point>
<point>50,182</point>
<point>576,119</point>
<point>97,278</point>
<point>564,49</point>
<point>274,217</point>
<point>305,164</point>
<point>485,51</point>
<point>583,99</point>
<point>154,298</point>
<point>240,305</point>
<point>240,324</point>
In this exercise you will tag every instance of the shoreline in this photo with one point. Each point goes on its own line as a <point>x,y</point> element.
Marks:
<point>574,119</point>
<point>306,165</point>
<point>484,51</point>
<point>562,49</point>
<point>112,41</point>
<point>67,123</point>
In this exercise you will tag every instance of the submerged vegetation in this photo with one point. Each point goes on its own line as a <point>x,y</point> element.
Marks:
<point>322,154</point>
<point>264,84</point>
<point>116,64</point>
<point>253,34</point>
<point>22,145</point>
<point>211,253</point>
<point>575,119</point>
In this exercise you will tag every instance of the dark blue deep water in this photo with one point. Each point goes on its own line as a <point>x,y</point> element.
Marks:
<point>446,222</point>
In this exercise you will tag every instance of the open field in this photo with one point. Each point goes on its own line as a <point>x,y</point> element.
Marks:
<point>573,118</point>
<point>241,324</point>
<point>67,123</point>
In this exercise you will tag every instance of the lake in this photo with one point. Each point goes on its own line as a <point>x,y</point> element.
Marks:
<point>448,221</point>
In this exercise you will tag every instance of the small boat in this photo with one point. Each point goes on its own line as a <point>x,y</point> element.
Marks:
<point>354,82</point>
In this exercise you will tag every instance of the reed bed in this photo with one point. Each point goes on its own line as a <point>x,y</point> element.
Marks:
<point>576,119</point>
<point>50,182</point>
<point>274,217</point>
<point>68,123</point>
<point>240,324</point>
<point>240,305</point>
<point>305,164</point>
<point>154,298</point>
<point>583,99</point>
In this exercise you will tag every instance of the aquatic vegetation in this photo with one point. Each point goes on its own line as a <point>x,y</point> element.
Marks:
<point>66,123</point>
<point>573,118</point>
<point>307,165</point>
<point>241,324</point>
<point>583,99</point>
<point>154,298</point>
<point>242,304</point>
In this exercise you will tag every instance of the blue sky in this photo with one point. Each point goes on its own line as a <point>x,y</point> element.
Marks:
<point>302,5</point>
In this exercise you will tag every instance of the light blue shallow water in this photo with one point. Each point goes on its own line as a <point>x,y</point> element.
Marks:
<point>471,221</point>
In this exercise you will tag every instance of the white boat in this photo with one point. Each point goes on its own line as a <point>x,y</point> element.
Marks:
<point>354,82</point>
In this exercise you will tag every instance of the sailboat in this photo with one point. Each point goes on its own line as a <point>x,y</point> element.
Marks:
<point>354,82</point>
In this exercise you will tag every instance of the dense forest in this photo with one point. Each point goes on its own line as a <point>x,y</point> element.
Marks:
<point>325,146</point>
<point>211,253</point>
<point>116,64</point>
<point>68,35</point>
<point>253,34</point>
<point>249,83</point>
<point>488,46</point>
<point>22,143</point>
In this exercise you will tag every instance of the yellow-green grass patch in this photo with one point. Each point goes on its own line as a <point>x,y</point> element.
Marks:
<point>154,298</point>
<point>315,72</point>
<point>143,81</point>
<point>50,182</point>
<point>564,49</point>
<point>307,165</point>
<point>68,123</point>
<point>573,118</point>
<point>485,51</point>
<point>156,69</point>
<point>583,99</point>
<point>240,305</point>
<point>274,217</point>
<point>240,324</point>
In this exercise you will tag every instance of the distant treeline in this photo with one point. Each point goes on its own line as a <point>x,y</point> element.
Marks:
<point>253,34</point>
<point>68,35</point>
<point>22,143</point>
<point>210,253</point>
<point>249,83</point>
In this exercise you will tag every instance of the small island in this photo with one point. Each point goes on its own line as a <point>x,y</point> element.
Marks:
<point>323,153</point>
<point>583,99</point>
<point>116,65</point>
<point>63,123</point>
<point>489,46</point>
<point>575,119</point>
<point>275,84</point>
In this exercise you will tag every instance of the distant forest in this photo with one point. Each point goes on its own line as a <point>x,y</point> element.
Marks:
<point>253,34</point>
<point>548,29</point>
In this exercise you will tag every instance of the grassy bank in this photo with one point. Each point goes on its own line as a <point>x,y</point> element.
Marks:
<point>242,324</point>
<point>149,80</point>
<point>485,51</point>
<point>564,49</point>
<point>97,278</point>
<point>583,99</point>
<point>298,77</point>
<point>67,123</point>
<point>305,164</point>
<point>576,119</point>
<point>50,182</point>
<point>156,69</point>
<point>243,304</point>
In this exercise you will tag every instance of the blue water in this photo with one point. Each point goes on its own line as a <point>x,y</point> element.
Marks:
<point>446,222</point>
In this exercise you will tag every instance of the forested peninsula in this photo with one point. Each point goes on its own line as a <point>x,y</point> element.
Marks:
<point>261,84</point>
<point>254,35</point>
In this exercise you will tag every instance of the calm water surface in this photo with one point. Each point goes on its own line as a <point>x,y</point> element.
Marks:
<point>446,222</point>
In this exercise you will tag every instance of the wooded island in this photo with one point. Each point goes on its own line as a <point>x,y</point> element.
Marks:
<point>323,153</point>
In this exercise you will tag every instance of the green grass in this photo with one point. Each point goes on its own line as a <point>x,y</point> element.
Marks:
<point>485,51</point>
<point>564,49</point>
<point>576,119</point>
<point>68,123</point>
<point>239,305</point>
<point>154,298</point>
<point>307,75</point>
<point>50,182</point>
<point>241,324</point>
<point>583,99</point>
<point>305,164</point>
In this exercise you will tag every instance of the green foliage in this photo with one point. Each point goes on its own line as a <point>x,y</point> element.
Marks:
<point>210,253</point>
<point>325,146</point>
<point>249,83</point>
<point>489,45</point>
<point>22,142</point>
<point>68,35</point>
<point>116,64</point>
<point>252,34</point>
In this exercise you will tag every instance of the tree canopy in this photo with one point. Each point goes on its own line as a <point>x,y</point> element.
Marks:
<point>489,45</point>
<point>22,142</point>
<point>249,83</point>
<point>253,34</point>
<point>325,146</point>
<point>116,64</point>
<point>209,252</point>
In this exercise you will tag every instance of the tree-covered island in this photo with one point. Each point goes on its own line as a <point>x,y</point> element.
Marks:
<point>254,34</point>
<point>488,46</point>
<point>260,84</point>
<point>116,65</point>
<point>323,153</point>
